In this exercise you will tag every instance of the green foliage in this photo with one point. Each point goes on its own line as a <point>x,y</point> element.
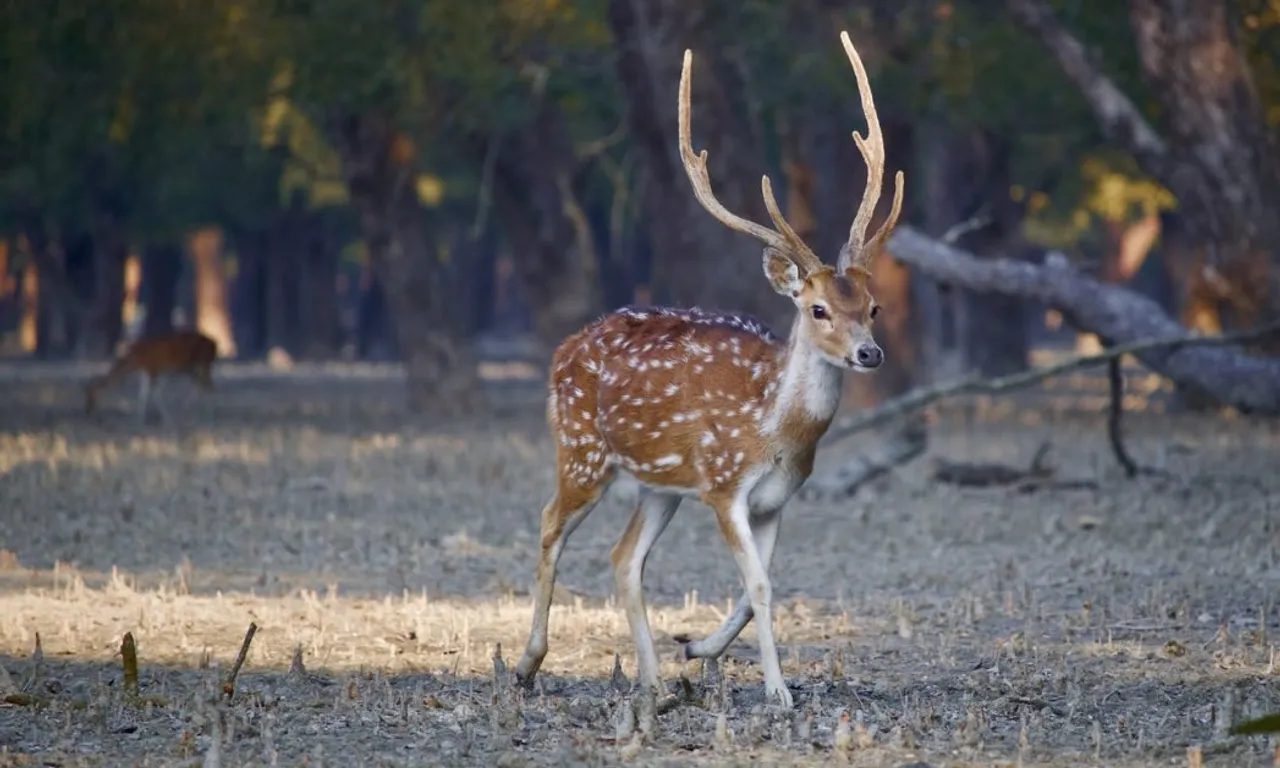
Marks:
<point>145,102</point>
<point>192,112</point>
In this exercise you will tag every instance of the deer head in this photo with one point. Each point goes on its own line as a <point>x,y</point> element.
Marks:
<point>834,304</point>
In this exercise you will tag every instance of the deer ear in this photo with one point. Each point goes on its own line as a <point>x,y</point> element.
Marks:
<point>782,272</point>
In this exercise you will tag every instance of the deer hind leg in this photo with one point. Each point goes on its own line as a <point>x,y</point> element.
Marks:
<point>764,529</point>
<point>652,515</point>
<point>560,517</point>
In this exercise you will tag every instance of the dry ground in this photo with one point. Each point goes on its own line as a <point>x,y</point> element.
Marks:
<point>1113,625</point>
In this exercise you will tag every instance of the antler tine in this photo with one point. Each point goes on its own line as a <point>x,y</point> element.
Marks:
<point>882,234</point>
<point>800,251</point>
<point>858,248</point>
<point>784,239</point>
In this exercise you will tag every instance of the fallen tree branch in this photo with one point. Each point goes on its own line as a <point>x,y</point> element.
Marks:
<point>1115,434</point>
<point>918,399</point>
<point>984,475</point>
<point>911,441</point>
<point>229,684</point>
<point>1135,323</point>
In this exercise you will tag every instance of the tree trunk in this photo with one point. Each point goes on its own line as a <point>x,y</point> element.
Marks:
<point>81,264</point>
<point>213,317</point>
<point>966,176</point>
<point>373,339</point>
<point>8,287</point>
<point>554,251</point>
<point>1114,314</point>
<point>59,307</point>
<point>1218,158</point>
<point>317,290</point>
<point>1127,246</point>
<point>161,268</point>
<point>28,326</point>
<point>283,274</point>
<point>249,292</point>
<point>1227,176</point>
<point>420,285</point>
<point>104,322</point>
<point>1152,276</point>
<point>484,255</point>
<point>132,294</point>
<point>696,259</point>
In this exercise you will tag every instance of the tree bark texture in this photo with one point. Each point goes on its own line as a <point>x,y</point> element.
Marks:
<point>210,280</point>
<point>161,268</point>
<point>420,285</point>
<point>1217,157</point>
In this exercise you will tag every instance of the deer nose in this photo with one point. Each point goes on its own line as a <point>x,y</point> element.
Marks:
<point>869,356</point>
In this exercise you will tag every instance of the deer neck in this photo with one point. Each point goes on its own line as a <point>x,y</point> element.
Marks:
<point>807,392</point>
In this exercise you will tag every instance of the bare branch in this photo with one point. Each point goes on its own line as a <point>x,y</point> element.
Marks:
<point>587,150</point>
<point>1115,433</point>
<point>229,684</point>
<point>1118,116</point>
<point>484,198</point>
<point>918,399</point>
<point>963,228</point>
<point>909,443</point>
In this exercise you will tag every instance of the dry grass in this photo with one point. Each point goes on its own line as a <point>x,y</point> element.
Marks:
<point>1110,626</point>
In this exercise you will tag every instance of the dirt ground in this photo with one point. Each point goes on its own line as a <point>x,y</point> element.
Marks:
<point>1092,620</point>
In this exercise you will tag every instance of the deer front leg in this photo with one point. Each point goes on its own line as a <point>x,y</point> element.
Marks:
<point>652,515</point>
<point>764,529</point>
<point>735,524</point>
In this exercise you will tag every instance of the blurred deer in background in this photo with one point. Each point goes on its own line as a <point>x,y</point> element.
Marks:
<point>182,352</point>
<point>713,406</point>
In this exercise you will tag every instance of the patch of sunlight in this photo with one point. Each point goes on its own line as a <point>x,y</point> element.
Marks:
<point>430,189</point>
<point>410,630</point>
<point>53,451</point>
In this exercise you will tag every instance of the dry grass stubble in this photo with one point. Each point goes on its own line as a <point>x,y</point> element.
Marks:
<point>1115,626</point>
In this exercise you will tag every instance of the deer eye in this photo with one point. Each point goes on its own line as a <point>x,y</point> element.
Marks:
<point>819,312</point>
<point>875,310</point>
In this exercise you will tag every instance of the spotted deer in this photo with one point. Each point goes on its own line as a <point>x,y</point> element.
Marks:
<point>713,406</point>
<point>178,352</point>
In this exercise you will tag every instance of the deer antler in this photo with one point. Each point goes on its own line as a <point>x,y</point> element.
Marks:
<point>783,238</point>
<point>858,251</point>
